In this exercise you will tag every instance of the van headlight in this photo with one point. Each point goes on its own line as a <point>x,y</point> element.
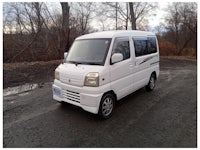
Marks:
<point>57,74</point>
<point>92,79</point>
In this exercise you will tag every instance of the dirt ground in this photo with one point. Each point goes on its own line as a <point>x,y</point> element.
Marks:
<point>15,74</point>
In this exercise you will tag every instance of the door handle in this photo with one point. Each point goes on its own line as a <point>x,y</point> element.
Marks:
<point>131,65</point>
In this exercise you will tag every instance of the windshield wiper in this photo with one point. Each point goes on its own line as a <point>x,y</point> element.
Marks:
<point>92,63</point>
<point>86,63</point>
<point>75,62</point>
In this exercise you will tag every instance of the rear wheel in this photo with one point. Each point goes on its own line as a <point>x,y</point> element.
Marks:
<point>151,85</point>
<point>106,106</point>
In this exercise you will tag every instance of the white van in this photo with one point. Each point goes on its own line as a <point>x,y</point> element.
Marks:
<point>104,67</point>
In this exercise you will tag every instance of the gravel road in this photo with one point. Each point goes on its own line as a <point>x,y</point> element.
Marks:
<point>166,117</point>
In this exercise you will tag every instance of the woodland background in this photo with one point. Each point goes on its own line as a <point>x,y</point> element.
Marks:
<point>40,31</point>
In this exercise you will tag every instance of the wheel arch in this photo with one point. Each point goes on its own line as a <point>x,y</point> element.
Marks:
<point>154,73</point>
<point>111,92</point>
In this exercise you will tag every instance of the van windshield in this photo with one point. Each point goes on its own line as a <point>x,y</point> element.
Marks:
<point>89,51</point>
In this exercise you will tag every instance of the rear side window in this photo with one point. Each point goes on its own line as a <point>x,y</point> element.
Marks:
<point>152,47</point>
<point>121,45</point>
<point>144,46</point>
<point>140,47</point>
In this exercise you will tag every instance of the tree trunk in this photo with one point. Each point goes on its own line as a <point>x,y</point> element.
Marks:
<point>64,45</point>
<point>126,26</point>
<point>196,44</point>
<point>116,14</point>
<point>39,22</point>
<point>133,19</point>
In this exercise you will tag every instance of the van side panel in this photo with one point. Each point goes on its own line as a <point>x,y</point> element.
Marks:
<point>144,66</point>
<point>121,78</point>
<point>134,73</point>
<point>146,59</point>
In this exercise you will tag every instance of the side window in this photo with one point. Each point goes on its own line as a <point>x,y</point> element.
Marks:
<point>140,47</point>
<point>144,46</point>
<point>152,47</point>
<point>122,46</point>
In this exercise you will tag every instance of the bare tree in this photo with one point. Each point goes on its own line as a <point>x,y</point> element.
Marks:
<point>119,11</point>
<point>116,6</point>
<point>64,43</point>
<point>28,9</point>
<point>133,16</point>
<point>29,28</point>
<point>174,20</point>
<point>159,29</point>
<point>38,17</point>
<point>182,24</point>
<point>139,10</point>
<point>65,15</point>
<point>82,14</point>
<point>189,18</point>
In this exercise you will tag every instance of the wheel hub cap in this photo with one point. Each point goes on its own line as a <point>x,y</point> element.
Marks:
<point>107,106</point>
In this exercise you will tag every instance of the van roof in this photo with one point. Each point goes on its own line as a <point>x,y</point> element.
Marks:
<point>115,33</point>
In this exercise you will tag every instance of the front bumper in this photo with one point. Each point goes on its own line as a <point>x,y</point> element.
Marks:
<point>88,98</point>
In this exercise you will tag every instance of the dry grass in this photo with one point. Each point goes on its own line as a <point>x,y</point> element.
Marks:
<point>192,58</point>
<point>11,66</point>
<point>15,74</point>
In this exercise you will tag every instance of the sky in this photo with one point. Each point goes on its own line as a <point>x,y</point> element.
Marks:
<point>154,21</point>
<point>96,24</point>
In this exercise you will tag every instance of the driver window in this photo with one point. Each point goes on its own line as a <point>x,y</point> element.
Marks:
<point>121,45</point>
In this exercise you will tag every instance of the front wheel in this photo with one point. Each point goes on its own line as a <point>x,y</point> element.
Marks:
<point>151,85</point>
<point>106,106</point>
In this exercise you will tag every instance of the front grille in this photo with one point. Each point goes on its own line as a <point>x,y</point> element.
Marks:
<point>72,96</point>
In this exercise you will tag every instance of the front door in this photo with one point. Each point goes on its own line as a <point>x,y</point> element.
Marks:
<point>121,72</point>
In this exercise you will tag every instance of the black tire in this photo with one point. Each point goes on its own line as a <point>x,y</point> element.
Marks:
<point>107,105</point>
<point>151,85</point>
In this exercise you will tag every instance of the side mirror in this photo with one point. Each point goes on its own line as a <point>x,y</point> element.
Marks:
<point>116,57</point>
<point>65,56</point>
